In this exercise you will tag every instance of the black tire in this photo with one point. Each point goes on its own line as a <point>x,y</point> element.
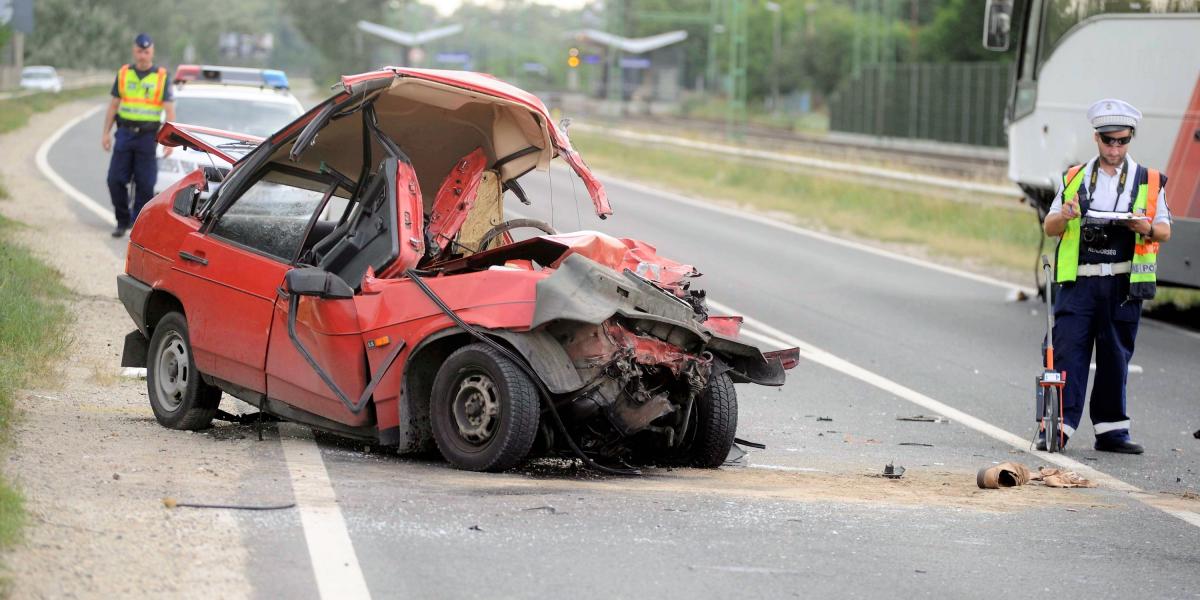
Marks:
<point>483,410</point>
<point>1053,437</point>
<point>714,424</point>
<point>178,395</point>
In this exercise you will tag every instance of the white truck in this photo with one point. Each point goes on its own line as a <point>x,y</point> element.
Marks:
<point>1071,53</point>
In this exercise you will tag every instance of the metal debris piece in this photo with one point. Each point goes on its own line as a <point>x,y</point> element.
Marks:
<point>893,471</point>
<point>475,528</point>
<point>916,444</point>
<point>924,419</point>
<point>824,418</point>
<point>1197,434</point>
<point>549,509</point>
<point>736,457</point>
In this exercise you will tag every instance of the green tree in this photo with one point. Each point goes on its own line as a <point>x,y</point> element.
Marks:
<point>955,34</point>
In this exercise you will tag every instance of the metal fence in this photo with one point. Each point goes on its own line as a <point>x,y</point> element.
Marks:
<point>952,102</point>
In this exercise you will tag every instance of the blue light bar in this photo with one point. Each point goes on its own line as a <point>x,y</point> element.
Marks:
<point>275,78</point>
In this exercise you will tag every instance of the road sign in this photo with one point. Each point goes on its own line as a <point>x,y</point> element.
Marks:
<point>635,62</point>
<point>452,58</point>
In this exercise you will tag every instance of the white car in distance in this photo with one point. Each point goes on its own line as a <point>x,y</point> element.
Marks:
<point>41,78</point>
<point>251,101</point>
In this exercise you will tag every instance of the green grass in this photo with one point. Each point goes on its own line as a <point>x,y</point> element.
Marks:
<point>988,235</point>
<point>15,112</point>
<point>33,322</point>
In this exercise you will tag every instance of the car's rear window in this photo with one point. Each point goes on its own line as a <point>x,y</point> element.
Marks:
<point>242,116</point>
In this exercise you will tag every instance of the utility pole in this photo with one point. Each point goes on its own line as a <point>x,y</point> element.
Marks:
<point>714,23</point>
<point>737,67</point>
<point>776,11</point>
<point>615,13</point>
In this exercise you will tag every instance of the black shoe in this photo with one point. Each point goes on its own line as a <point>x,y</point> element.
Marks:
<point>1122,446</point>
<point>118,232</point>
<point>1041,442</point>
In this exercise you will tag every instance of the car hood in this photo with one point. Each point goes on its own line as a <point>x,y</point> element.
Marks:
<point>437,118</point>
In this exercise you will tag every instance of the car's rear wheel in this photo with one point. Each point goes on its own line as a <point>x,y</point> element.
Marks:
<point>483,410</point>
<point>179,397</point>
<point>713,426</point>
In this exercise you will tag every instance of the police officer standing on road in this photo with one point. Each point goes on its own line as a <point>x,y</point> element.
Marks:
<point>140,95</point>
<point>1105,267</point>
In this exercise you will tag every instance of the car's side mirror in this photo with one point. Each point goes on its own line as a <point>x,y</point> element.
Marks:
<point>997,24</point>
<point>314,281</point>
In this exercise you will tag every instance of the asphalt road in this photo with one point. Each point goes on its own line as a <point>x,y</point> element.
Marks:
<point>809,520</point>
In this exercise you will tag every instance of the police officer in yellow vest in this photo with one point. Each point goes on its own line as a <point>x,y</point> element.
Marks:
<point>1105,266</point>
<point>140,96</point>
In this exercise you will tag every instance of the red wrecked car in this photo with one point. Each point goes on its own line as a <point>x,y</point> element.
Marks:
<point>354,272</point>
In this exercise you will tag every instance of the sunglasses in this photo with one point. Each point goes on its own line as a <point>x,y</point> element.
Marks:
<point>1115,141</point>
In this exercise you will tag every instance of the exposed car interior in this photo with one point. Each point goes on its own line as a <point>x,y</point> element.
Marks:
<point>314,211</point>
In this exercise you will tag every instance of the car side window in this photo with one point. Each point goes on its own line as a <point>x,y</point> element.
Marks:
<point>270,218</point>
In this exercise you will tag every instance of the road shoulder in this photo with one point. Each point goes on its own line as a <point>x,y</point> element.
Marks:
<point>87,454</point>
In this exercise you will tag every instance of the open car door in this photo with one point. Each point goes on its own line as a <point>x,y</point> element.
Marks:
<point>327,330</point>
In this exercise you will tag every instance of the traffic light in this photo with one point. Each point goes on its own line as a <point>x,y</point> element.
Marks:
<point>573,57</point>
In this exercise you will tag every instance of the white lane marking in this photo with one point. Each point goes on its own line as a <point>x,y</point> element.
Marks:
<point>845,367</point>
<point>43,165</point>
<point>788,469</point>
<point>334,563</point>
<point>824,237</point>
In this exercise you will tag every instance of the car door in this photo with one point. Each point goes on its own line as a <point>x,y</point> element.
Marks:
<point>382,234</point>
<point>232,270</point>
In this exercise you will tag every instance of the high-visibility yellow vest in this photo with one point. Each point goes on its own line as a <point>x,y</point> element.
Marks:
<point>141,97</point>
<point>1142,280</point>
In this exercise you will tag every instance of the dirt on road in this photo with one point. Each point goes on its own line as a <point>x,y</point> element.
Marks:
<point>88,456</point>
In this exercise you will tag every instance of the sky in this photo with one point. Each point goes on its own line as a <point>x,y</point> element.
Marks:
<point>445,7</point>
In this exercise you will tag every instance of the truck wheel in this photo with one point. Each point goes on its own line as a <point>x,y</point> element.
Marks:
<point>483,410</point>
<point>179,397</point>
<point>714,423</point>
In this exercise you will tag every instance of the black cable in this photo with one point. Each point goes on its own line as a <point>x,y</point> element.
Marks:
<point>544,393</point>
<point>228,506</point>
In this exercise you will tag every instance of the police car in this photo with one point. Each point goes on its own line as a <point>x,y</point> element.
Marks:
<point>252,101</point>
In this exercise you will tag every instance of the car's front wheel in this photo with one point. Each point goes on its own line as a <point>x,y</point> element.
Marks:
<point>710,435</point>
<point>483,410</point>
<point>179,397</point>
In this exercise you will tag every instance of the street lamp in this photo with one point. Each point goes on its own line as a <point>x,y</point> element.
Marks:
<point>776,10</point>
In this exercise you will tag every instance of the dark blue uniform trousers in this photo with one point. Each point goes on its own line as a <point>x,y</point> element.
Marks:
<point>1096,312</point>
<point>132,158</point>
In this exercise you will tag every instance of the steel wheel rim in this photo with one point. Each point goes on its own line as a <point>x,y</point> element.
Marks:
<point>475,408</point>
<point>172,372</point>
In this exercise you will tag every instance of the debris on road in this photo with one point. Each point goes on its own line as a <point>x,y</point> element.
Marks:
<point>133,372</point>
<point>170,502</point>
<point>891,471</point>
<point>1197,434</point>
<point>916,444</point>
<point>1007,474</point>
<point>1062,479</point>
<point>924,419</point>
<point>548,509</point>
<point>475,528</point>
<point>1012,474</point>
<point>824,418</point>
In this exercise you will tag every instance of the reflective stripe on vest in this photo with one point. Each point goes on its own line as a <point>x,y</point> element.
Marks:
<point>1142,279</point>
<point>1066,263</point>
<point>1145,254</point>
<point>141,97</point>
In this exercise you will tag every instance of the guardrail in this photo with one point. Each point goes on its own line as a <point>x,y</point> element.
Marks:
<point>70,82</point>
<point>1002,191</point>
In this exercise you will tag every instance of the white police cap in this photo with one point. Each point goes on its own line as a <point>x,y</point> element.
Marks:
<point>1110,115</point>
